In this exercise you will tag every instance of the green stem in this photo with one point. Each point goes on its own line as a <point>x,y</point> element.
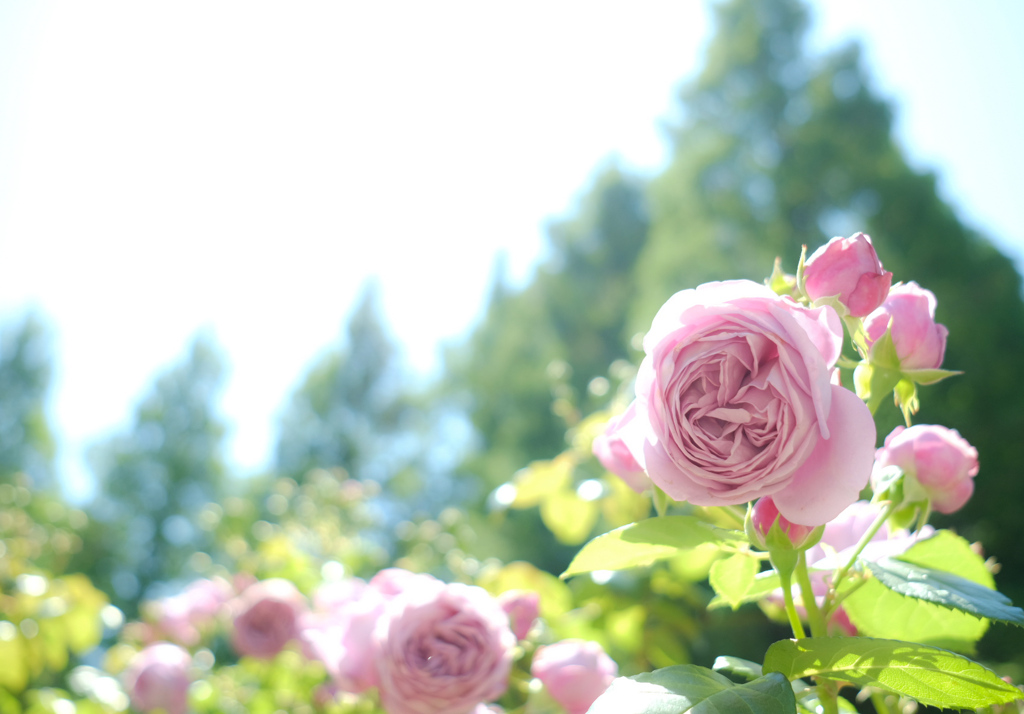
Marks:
<point>814,615</point>
<point>787,595</point>
<point>838,576</point>
<point>926,512</point>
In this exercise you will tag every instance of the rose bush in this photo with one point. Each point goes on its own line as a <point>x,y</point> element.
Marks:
<point>734,402</point>
<point>939,464</point>
<point>442,648</point>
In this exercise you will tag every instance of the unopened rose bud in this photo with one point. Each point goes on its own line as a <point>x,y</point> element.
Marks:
<point>848,269</point>
<point>919,341</point>
<point>574,672</point>
<point>764,515</point>
<point>612,451</point>
<point>521,607</point>
<point>938,464</point>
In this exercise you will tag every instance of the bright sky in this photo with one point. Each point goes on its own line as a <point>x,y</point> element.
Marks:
<point>246,165</point>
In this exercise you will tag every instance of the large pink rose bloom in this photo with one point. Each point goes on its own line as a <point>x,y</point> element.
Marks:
<point>267,618</point>
<point>442,650</point>
<point>734,402</point>
<point>939,463</point>
<point>157,678</point>
<point>849,269</point>
<point>574,672</point>
<point>920,342</point>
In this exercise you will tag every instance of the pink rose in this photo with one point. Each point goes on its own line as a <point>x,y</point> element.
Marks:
<point>940,465</point>
<point>919,341</point>
<point>765,514</point>
<point>267,618</point>
<point>340,633</point>
<point>442,649</point>
<point>157,678</point>
<point>848,268</point>
<point>734,401</point>
<point>182,616</point>
<point>611,450</point>
<point>574,672</point>
<point>521,606</point>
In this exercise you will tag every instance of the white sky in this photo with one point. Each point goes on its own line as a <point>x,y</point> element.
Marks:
<point>246,165</point>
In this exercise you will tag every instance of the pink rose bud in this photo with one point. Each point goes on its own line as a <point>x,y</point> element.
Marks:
<point>442,649</point>
<point>919,341</point>
<point>848,268</point>
<point>611,450</point>
<point>574,672</point>
<point>521,607</point>
<point>765,513</point>
<point>157,678</point>
<point>267,618</point>
<point>938,462</point>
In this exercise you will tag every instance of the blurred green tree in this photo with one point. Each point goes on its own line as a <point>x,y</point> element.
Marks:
<point>358,413</point>
<point>154,479</point>
<point>26,440</point>
<point>540,355</point>
<point>349,401</point>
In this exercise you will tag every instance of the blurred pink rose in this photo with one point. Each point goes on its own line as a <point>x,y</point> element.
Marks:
<point>157,678</point>
<point>920,342</point>
<point>521,607</point>
<point>939,463</point>
<point>182,616</point>
<point>442,650</point>
<point>848,268</point>
<point>765,513</point>
<point>574,672</point>
<point>735,402</point>
<point>267,617</point>
<point>611,450</point>
<point>340,632</point>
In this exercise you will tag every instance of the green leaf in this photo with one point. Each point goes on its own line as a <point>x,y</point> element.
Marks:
<point>733,577</point>
<point>646,542</point>
<point>946,589</point>
<point>877,611</point>
<point>764,583</point>
<point>738,667</point>
<point>689,688</point>
<point>929,376</point>
<point>569,517</point>
<point>949,552</point>
<point>932,676</point>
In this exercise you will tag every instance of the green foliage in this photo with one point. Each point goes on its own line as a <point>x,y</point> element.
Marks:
<point>932,676</point>
<point>688,688</point>
<point>156,477</point>
<point>26,440</point>
<point>648,541</point>
<point>945,589</point>
<point>878,611</point>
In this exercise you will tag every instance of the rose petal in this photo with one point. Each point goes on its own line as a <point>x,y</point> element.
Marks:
<point>838,468</point>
